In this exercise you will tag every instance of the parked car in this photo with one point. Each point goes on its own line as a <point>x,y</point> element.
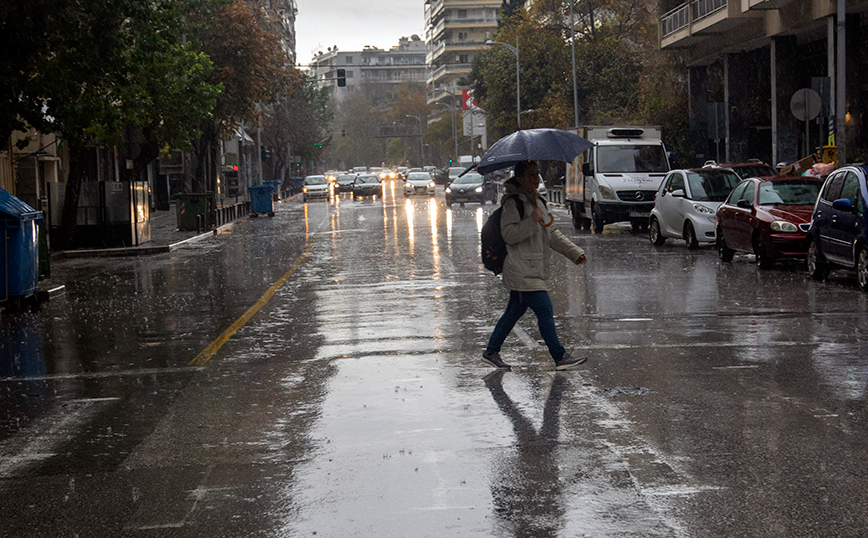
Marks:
<point>768,216</point>
<point>345,182</point>
<point>838,236</point>
<point>453,172</point>
<point>686,205</point>
<point>316,187</point>
<point>471,187</point>
<point>367,185</point>
<point>418,183</point>
<point>752,168</point>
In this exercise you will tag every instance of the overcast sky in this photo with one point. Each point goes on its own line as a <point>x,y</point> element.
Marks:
<point>352,24</point>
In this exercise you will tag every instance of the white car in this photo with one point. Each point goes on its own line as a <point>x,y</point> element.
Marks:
<point>686,205</point>
<point>419,183</point>
<point>316,187</point>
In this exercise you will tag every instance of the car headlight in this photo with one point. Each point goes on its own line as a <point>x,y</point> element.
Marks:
<point>607,193</point>
<point>702,209</point>
<point>304,189</point>
<point>432,184</point>
<point>784,226</point>
<point>477,189</point>
<point>408,185</point>
<point>448,190</point>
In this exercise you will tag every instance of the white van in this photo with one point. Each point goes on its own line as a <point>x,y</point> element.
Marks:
<point>616,180</point>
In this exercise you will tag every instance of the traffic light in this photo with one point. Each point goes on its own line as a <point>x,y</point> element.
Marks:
<point>342,77</point>
<point>265,153</point>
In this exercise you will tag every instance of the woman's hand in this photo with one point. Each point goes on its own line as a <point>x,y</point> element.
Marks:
<point>538,216</point>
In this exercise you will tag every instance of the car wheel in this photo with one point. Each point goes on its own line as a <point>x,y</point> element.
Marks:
<point>763,261</point>
<point>577,219</point>
<point>862,268</point>
<point>690,236</point>
<point>723,252</point>
<point>597,220</point>
<point>817,268</point>
<point>654,233</point>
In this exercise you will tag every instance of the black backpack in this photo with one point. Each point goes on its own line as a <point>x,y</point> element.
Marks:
<point>493,245</point>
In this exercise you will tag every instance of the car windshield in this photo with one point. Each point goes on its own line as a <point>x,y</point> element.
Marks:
<point>711,185</point>
<point>421,176</point>
<point>346,179</point>
<point>454,171</point>
<point>759,170</point>
<point>469,179</point>
<point>315,180</point>
<point>631,158</point>
<point>795,192</point>
<point>367,179</point>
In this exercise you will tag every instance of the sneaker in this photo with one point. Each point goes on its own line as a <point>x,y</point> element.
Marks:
<point>568,361</point>
<point>495,360</point>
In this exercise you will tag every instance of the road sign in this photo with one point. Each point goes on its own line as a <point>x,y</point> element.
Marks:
<point>805,104</point>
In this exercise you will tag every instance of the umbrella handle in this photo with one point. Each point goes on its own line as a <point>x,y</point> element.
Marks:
<point>549,223</point>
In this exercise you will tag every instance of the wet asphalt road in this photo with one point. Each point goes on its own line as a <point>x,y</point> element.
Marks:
<point>318,373</point>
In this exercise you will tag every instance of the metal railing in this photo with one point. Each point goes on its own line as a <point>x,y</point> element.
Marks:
<point>674,20</point>
<point>683,15</point>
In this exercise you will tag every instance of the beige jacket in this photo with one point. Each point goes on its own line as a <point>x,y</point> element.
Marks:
<point>526,266</point>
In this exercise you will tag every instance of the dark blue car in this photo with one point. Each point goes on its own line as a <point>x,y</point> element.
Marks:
<point>838,236</point>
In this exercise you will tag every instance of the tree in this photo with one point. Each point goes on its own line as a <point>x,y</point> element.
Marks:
<point>87,77</point>
<point>358,118</point>
<point>295,123</point>
<point>250,65</point>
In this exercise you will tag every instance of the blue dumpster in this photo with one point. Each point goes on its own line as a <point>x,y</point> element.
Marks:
<point>275,185</point>
<point>19,253</point>
<point>260,200</point>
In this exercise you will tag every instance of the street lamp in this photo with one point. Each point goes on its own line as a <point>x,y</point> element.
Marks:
<point>517,68</point>
<point>454,127</point>
<point>573,49</point>
<point>421,142</point>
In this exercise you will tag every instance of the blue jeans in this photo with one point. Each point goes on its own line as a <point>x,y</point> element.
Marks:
<point>519,302</point>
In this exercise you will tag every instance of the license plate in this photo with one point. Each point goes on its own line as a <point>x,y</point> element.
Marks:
<point>421,189</point>
<point>640,214</point>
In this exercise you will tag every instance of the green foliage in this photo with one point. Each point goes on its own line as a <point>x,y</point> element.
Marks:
<point>621,77</point>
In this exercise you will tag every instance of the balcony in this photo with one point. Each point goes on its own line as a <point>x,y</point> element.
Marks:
<point>697,20</point>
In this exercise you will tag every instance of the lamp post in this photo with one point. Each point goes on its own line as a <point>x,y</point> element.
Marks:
<point>454,127</point>
<point>421,142</point>
<point>517,68</point>
<point>573,48</point>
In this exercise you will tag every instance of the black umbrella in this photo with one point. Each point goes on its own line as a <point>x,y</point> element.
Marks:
<point>532,145</point>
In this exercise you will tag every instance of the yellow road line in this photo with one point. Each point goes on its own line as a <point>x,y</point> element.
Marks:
<point>215,346</point>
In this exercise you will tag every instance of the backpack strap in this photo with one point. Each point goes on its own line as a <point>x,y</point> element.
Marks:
<point>518,204</point>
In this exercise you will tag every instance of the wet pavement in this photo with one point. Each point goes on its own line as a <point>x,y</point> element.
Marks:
<point>318,373</point>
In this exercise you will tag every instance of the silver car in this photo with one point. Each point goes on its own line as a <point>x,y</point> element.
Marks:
<point>419,183</point>
<point>686,205</point>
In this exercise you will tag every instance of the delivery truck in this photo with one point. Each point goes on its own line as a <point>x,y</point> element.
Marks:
<point>617,178</point>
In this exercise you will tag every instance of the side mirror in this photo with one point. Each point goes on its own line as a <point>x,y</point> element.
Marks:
<point>587,169</point>
<point>678,193</point>
<point>744,204</point>
<point>843,204</point>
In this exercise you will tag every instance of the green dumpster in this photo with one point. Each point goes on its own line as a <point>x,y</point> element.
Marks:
<point>192,205</point>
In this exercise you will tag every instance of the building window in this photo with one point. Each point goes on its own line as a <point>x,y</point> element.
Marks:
<point>349,59</point>
<point>464,58</point>
<point>462,36</point>
<point>462,13</point>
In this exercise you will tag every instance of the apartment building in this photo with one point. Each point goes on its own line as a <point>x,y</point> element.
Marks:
<point>749,61</point>
<point>401,63</point>
<point>455,31</point>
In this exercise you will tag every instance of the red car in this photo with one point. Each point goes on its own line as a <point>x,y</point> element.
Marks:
<point>768,216</point>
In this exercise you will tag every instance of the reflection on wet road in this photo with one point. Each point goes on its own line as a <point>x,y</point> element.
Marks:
<point>319,373</point>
